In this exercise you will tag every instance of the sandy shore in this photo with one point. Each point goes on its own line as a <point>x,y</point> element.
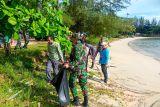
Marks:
<point>136,72</point>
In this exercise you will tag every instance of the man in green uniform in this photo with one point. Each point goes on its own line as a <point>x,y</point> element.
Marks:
<point>78,70</point>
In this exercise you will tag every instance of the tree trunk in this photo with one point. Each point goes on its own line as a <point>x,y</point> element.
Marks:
<point>26,39</point>
<point>24,35</point>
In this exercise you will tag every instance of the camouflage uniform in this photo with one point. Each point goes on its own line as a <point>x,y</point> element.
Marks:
<point>78,66</point>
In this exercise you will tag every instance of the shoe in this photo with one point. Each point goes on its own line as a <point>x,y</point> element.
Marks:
<point>91,67</point>
<point>105,80</point>
<point>76,101</point>
<point>85,103</point>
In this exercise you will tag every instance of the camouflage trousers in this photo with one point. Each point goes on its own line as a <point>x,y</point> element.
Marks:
<point>82,82</point>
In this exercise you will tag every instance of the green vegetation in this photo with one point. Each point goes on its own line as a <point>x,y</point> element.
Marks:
<point>98,17</point>
<point>145,26</point>
<point>42,18</point>
<point>22,84</point>
<point>37,18</point>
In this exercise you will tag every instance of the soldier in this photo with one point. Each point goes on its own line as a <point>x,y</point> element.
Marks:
<point>78,70</point>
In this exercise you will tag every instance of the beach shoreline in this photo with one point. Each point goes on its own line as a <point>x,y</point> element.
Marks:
<point>140,46</point>
<point>136,72</point>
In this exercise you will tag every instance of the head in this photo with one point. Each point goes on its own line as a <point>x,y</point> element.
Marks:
<point>84,37</point>
<point>104,39</point>
<point>74,38</point>
<point>68,38</point>
<point>104,45</point>
<point>50,40</point>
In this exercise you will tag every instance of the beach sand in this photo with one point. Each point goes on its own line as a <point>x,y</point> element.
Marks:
<point>136,72</point>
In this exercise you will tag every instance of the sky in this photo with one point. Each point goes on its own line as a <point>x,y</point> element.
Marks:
<point>148,9</point>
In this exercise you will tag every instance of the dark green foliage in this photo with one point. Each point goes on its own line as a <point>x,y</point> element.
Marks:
<point>98,17</point>
<point>39,18</point>
<point>145,26</point>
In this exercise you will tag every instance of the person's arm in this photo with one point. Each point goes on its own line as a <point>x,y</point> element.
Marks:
<point>107,56</point>
<point>60,53</point>
<point>48,50</point>
<point>97,49</point>
<point>93,51</point>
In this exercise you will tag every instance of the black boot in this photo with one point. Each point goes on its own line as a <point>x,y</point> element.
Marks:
<point>92,65</point>
<point>105,80</point>
<point>85,103</point>
<point>76,101</point>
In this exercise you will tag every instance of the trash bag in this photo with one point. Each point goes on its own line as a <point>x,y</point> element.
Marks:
<point>60,82</point>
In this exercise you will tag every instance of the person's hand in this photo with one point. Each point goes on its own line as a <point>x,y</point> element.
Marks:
<point>12,41</point>
<point>62,62</point>
<point>108,65</point>
<point>46,62</point>
<point>47,54</point>
<point>92,58</point>
<point>66,65</point>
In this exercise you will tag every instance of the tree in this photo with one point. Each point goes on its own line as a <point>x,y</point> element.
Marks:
<point>154,22</point>
<point>95,17</point>
<point>144,26</point>
<point>141,25</point>
<point>26,16</point>
<point>147,23</point>
<point>136,22</point>
<point>109,6</point>
<point>158,23</point>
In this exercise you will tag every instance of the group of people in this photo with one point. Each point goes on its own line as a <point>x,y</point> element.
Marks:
<point>19,41</point>
<point>5,40</point>
<point>77,65</point>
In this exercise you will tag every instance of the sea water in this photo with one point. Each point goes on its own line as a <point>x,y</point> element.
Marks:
<point>147,46</point>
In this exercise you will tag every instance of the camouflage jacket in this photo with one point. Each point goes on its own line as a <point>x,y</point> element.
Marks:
<point>79,62</point>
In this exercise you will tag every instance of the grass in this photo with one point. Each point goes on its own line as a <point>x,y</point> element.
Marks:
<point>23,81</point>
